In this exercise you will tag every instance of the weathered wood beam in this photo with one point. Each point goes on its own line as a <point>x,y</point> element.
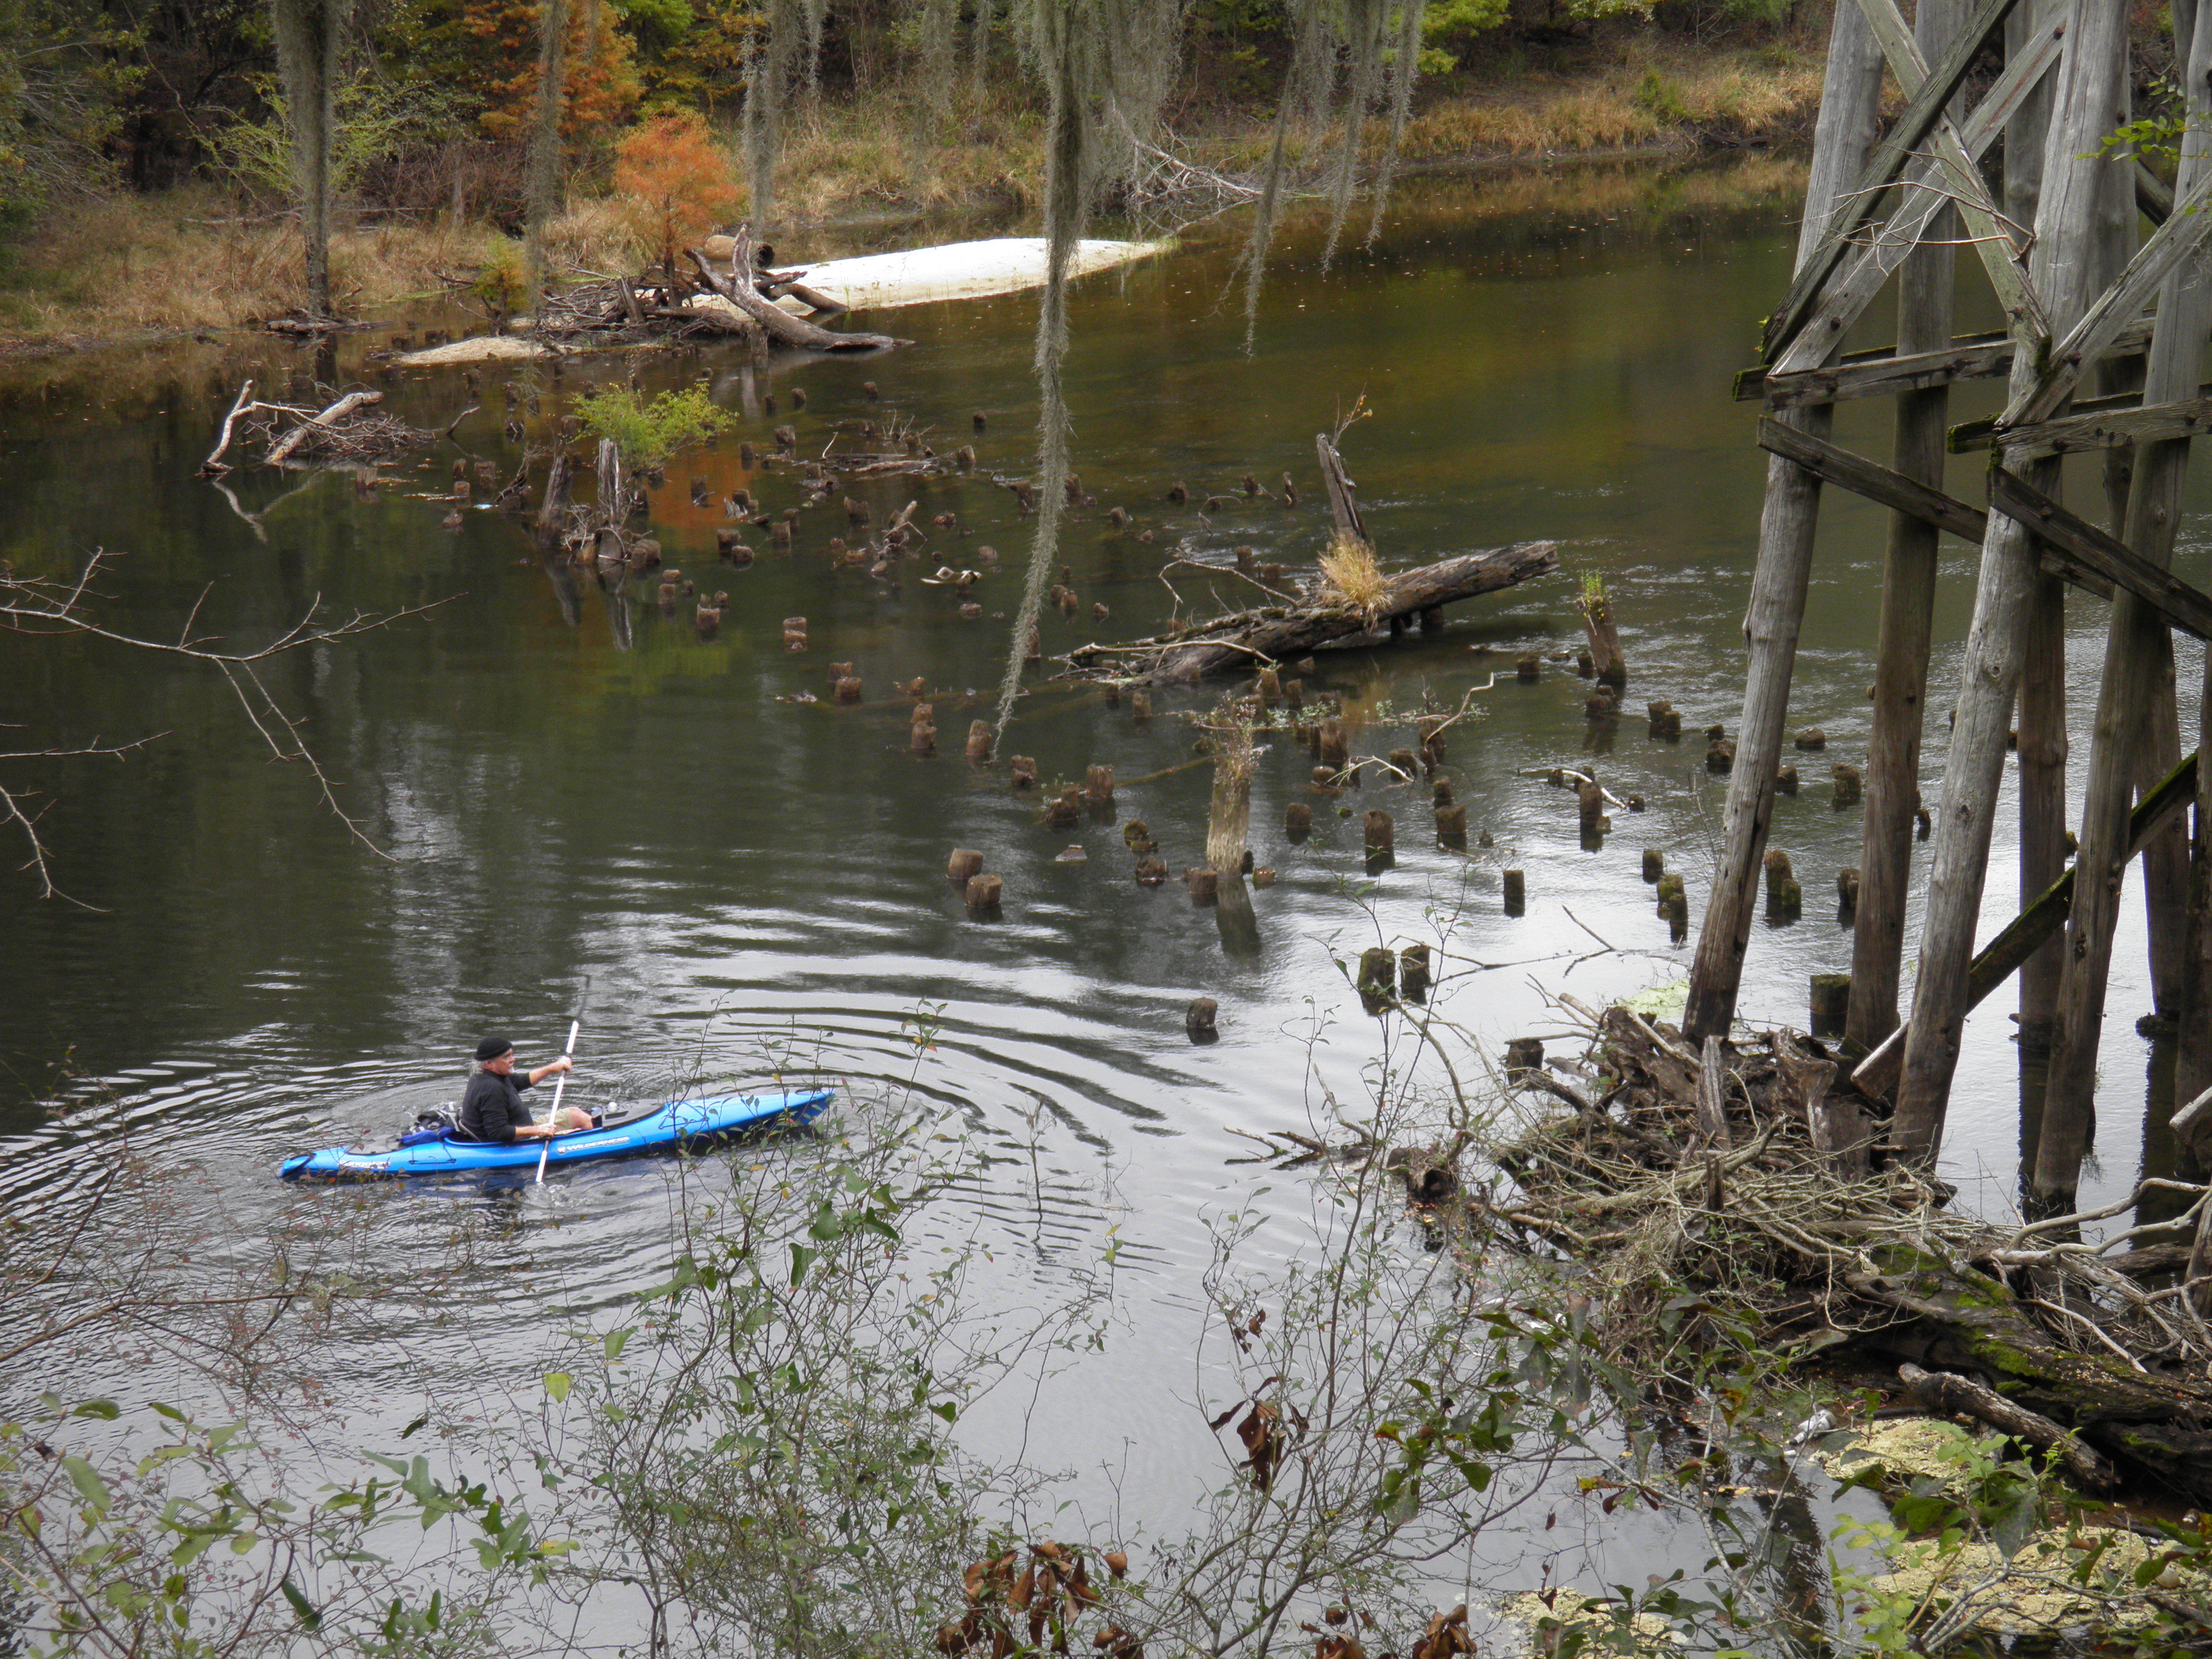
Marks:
<point>1850,288</point>
<point>1998,961</point>
<point>1879,373</point>
<point>2098,424</point>
<point>2138,651</point>
<point>2093,82</point>
<point>2092,556</point>
<point>2171,243</point>
<point>1926,295</point>
<point>1987,231</point>
<point>1774,613</point>
<point>1857,206</point>
<point>1883,372</point>
<point>2153,195</point>
<point>1871,479</point>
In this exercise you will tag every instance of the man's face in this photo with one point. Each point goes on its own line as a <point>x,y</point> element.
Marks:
<point>502,1066</point>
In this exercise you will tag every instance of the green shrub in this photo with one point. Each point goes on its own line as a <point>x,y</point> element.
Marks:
<point>647,434</point>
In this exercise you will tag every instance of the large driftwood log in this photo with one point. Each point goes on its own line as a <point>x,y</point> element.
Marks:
<point>280,450</point>
<point>1254,639</point>
<point>740,289</point>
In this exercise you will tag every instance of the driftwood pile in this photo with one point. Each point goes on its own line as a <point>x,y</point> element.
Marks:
<point>340,431</point>
<point>734,295</point>
<point>1752,1174</point>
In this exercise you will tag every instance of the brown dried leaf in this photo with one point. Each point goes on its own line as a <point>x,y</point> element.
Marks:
<point>1024,1589</point>
<point>1117,1563</point>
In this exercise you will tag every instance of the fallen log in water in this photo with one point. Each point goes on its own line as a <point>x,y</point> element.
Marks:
<point>1258,638</point>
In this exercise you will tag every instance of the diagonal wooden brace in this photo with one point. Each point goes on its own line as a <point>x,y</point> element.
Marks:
<point>2101,555</point>
<point>1861,274</point>
<point>1877,482</point>
<point>1884,168</point>
<point>2119,305</point>
<point>2001,958</point>
<point>1985,226</point>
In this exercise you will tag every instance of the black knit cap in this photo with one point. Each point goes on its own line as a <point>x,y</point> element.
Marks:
<point>493,1048</point>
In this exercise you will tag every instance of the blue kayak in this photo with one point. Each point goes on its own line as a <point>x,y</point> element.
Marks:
<point>673,1124</point>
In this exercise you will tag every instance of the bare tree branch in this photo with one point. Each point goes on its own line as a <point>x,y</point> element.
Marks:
<point>41,607</point>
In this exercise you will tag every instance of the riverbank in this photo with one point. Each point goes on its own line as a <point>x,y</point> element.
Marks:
<point>187,261</point>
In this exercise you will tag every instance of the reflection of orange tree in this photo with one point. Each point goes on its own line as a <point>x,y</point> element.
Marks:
<point>601,88</point>
<point>675,182</point>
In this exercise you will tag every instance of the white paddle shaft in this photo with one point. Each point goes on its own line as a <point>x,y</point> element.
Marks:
<point>553,1119</point>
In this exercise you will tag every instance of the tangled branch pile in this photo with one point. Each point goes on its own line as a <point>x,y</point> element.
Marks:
<point>1750,1175</point>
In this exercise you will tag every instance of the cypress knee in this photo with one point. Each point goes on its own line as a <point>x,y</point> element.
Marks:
<point>1413,973</point>
<point>1378,971</point>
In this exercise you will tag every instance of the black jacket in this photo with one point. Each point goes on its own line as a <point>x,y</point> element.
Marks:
<point>493,1108</point>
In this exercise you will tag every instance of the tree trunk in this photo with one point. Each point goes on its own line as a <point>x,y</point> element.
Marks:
<point>545,151</point>
<point>310,45</point>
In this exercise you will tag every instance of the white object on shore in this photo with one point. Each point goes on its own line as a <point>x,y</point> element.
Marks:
<point>958,270</point>
<point>873,282</point>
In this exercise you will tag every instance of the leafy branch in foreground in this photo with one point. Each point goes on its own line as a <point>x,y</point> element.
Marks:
<point>36,607</point>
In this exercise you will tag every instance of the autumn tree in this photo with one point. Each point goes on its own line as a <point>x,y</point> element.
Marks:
<point>598,83</point>
<point>676,183</point>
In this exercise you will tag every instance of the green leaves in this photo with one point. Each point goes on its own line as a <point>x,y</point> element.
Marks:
<point>89,1485</point>
<point>645,434</point>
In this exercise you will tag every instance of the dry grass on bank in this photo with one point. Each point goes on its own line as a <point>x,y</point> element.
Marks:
<point>186,260</point>
<point>1646,99</point>
<point>840,160</point>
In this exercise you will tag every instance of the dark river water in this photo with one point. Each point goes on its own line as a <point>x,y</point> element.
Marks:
<point>570,783</point>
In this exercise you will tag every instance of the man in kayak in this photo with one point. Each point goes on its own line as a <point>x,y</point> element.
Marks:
<point>492,1109</point>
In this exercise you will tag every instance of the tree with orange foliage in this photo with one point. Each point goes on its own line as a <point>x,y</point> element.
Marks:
<point>675,181</point>
<point>600,87</point>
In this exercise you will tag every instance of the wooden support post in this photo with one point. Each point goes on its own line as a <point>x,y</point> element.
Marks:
<point>1908,608</point>
<point>2003,956</point>
<point>1996,640</point>
<point>2042,711</point>
<point>2166,856</point>
<point>2125,694</point>
<point>1843,136</point>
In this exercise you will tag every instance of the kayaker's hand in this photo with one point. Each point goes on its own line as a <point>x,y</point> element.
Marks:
<point>564,1064</point>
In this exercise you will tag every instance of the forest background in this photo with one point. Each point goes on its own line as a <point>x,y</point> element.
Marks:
<point>144,136</point>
